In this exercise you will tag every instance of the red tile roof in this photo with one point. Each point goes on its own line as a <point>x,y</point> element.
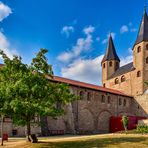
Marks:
<point>87,85</point>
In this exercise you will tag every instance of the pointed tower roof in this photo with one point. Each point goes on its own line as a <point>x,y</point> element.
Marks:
<point>143,30</point>
<point>110,51</point>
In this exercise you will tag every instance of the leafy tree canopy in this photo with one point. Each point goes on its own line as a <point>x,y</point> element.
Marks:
<point>26,92</point>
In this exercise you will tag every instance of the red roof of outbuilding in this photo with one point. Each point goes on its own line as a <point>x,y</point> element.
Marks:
<point>87,85</point>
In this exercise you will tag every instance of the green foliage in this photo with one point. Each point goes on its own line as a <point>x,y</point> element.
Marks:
<point>142,129</point>
<point>26,91</point>
<point>125,122</point>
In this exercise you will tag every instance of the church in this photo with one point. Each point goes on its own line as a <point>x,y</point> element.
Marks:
<point>131,77</point>
<point>124,92</point>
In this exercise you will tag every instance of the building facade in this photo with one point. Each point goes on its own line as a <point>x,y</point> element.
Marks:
<point>131,77</point>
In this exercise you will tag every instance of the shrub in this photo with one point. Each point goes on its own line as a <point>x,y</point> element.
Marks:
<point>142,129</point>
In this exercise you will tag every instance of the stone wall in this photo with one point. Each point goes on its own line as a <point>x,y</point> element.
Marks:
<point>91,115</point>
<point>140,105</point>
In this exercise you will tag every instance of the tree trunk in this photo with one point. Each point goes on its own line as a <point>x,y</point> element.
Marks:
<point>28,131</point>
<point>2,118</point>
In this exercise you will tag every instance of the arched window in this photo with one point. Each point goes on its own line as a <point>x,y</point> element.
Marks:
<point>122,78</point>
<point>116,81</point>
<point>81,95</point>
<point>147,47</point>
<point>110,63</point>
<point>88,96</point>
<point>108,99</point>
<point>117,65</point>
<point>120,101</point>
<point>104,65</point>
<point>147,60</point>
<point>139,49</point>
<point>104,85</point>
<point>124,102</point>
<point>103,99</point>
<point>138,73</point>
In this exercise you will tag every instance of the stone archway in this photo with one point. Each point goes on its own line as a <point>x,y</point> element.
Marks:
<point>103,121</point>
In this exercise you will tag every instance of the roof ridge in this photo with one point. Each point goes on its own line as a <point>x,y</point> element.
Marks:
<point>87,85</point>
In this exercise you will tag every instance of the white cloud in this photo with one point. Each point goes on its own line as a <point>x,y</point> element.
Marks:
<point>123,29</point>
<point>90,70</point>
<point>98,39</point>
<point>67,30</point>
<point>85,70</point>
<point>88,30</point>
<point>82,44</point>
<point>106,39</point>
<point>130,24</point>
<point>5,11</point>
<point>133,29</point>
<point>5,46</point>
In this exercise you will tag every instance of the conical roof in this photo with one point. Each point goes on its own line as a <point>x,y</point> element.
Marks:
<point>110,51</point>
<point>143,30</point>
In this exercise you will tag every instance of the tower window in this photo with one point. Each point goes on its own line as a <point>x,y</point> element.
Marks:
<point>116,81</point>
<point>103,99</point>
<point>147,60</point>
<point>108,99</point>
<point>81,95</point>
<point>110,63</point>
<point>117,65</point>
<point>104,65</point>
<point>122,78</point>
<point>147,47</point>
<point>138,73</point>
<point>139,49</point>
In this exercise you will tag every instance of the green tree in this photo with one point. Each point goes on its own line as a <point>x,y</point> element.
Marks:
<point>125,122</point>
<point>29,91</point>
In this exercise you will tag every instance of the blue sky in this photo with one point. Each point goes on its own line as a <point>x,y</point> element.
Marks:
<point>74,31</point>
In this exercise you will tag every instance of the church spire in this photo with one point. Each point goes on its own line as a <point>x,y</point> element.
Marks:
<point>143,30</point>
<point>110,51</point>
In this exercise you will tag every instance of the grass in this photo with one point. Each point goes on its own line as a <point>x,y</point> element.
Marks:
<point>94,141</point>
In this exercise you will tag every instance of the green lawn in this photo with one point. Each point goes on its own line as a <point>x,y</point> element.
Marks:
<point>95,141</point>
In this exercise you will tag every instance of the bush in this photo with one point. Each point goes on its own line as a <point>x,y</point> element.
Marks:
<point>142,129</point>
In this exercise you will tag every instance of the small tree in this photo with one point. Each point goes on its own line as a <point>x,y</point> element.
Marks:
<point>29,92</point>
<point>125,122</point>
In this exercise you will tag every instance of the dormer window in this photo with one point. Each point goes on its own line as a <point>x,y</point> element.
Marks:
<point>103,99</point>
<point>139,49</point>
<point>120,101</point>
<point>88,96</point>
<point>116,81</point>
<point>108,99</point>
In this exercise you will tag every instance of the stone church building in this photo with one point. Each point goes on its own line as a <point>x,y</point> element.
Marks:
<point>123,93</point>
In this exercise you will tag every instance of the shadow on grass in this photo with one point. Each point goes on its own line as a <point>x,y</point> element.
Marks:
<point>96,143</point>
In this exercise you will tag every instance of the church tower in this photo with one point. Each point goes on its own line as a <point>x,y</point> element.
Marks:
<point>110,62</point>
<point>140,56</point>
